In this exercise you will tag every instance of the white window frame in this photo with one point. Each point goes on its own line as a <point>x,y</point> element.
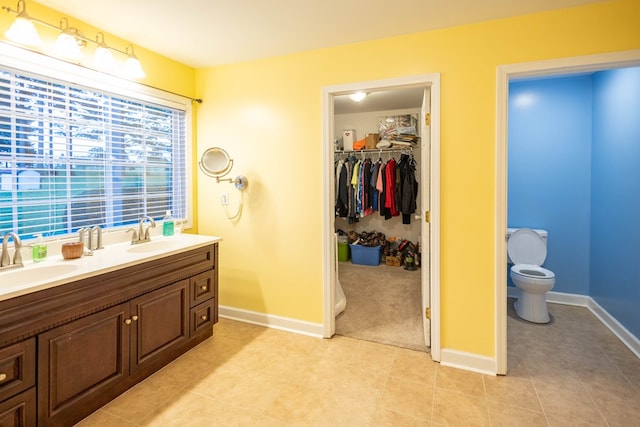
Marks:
<point>37,63</point>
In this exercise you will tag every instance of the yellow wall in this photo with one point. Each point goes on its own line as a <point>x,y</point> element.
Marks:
<point>267,114</point>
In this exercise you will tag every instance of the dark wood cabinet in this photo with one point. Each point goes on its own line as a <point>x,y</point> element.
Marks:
<point>81,364</point>
<point>90,351</point>
<point>159,322</point>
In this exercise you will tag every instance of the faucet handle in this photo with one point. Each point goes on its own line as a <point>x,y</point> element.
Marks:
<point>134,236</point>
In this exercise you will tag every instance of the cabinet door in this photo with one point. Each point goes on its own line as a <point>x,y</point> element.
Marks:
<point>19,411</point>
<point>160,323</point>
<point>82,365</point>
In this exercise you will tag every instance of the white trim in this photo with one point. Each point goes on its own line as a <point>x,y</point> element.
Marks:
<point>424,80</point>
<point>589,63</point>
<point>434,205</point>
<point>25,59</point>
<point>627,338</point>
<point>468,361</point>
<point>272,321</point>
<point>623,334</point>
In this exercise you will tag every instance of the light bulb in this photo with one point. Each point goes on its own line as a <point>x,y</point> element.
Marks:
<point>23,31</point>
<point>132,68</point>
<point>66,46</point>
<point>103,58</point>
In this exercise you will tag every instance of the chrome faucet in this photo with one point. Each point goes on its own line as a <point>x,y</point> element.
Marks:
<point>5,260</point>
<point>143,234</point>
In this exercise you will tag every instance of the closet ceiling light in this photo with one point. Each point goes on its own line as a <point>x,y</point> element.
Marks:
<point>358,96</point>
<point>22,29</point>
<point>70,42</point>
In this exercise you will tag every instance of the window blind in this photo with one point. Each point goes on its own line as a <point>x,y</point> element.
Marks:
<point>72,156</point>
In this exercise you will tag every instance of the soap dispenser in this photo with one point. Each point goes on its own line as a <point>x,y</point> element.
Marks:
<point>168,224</point>
<point>39,251</point>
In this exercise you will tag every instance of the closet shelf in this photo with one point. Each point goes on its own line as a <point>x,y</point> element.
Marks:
<point>376,150</point>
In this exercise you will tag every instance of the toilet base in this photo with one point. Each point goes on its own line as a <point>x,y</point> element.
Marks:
<point>532,307</point>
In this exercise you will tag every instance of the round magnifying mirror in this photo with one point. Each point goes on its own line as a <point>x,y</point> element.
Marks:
<point>216,162</point>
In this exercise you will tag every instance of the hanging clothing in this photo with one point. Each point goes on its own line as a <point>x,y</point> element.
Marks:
<point>390,184</point>
<point>342,190</point>
<point>408,191</point>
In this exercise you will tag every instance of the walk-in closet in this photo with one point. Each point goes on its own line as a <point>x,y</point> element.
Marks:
<point>376,138</point>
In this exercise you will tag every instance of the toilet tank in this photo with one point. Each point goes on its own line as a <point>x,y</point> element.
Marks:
<point>542,233</point>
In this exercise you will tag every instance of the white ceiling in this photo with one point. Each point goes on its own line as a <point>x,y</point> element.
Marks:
<point>205,33</point>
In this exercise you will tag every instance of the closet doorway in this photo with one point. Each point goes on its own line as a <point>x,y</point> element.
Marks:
<point>385,93</point>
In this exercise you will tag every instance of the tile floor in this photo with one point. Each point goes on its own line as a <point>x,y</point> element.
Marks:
<point>572,372</point>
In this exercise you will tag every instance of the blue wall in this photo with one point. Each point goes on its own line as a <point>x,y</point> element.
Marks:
<point>615,199</point>
<point>574,170</point>
<point>549,171</point>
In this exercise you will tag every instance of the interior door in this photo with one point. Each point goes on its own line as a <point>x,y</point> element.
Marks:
<point>425,232</point>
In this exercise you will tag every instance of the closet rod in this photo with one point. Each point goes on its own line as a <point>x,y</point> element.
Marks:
<point>376,150</point>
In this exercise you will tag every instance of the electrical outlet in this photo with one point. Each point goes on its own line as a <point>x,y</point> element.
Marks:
<point>224,199</point>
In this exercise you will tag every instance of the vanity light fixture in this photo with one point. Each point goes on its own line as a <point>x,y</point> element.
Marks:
<point>102,57</point>
<point>70,42</point>
<point>22,29</point>
<point>357,96</point>
<point>132,65</point>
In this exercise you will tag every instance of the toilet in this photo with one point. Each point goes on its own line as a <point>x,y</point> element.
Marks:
<point>527,250</point>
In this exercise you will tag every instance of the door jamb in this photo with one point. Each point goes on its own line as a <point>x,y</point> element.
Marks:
<point>588,63</point>
<point>329,251</point>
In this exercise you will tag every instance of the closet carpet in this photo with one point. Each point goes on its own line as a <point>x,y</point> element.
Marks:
<point>383,305</point>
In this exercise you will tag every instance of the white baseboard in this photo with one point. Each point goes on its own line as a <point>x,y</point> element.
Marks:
<point>623,334</point>
<point>272,321</point>
<point>468,361</point>
<point>616,327</point>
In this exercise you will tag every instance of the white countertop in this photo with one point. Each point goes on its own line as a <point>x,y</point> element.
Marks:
<point>55,270</point>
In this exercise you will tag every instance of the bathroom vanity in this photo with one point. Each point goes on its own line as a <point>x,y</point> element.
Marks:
<point>72,342</point>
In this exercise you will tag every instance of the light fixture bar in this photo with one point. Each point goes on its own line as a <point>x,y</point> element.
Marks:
<point>78,35</point>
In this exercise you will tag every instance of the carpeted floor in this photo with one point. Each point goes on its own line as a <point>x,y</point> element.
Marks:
<point>383,305</point>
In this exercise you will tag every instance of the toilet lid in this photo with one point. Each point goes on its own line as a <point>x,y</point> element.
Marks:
<point>525,246</point>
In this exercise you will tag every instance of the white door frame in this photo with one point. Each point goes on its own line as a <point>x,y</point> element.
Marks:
<point>590,63</point>
<point>328,195</point>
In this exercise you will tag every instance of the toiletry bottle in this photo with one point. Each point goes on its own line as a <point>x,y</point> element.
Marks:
<point>167,225</point>
<point>39,251</point>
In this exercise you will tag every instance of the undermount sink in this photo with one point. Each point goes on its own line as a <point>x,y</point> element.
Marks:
<point>36,273</point>
<point>154,246</point>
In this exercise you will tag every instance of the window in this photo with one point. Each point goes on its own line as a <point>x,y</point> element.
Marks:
<point>73,155</point>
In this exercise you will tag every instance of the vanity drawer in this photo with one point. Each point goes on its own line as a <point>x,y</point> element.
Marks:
<point>202,317</point>
<point>20,410</point>
<point>202,288</point>
<point>17,368</point>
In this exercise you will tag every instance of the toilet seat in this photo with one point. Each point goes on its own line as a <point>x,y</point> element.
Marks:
<point>532,271</point>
